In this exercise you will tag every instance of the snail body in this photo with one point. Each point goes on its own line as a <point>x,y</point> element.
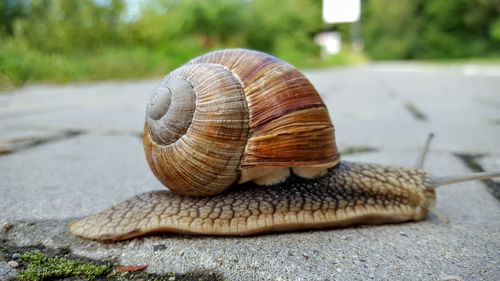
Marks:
<point>349,194</point>
<point>225,125</point>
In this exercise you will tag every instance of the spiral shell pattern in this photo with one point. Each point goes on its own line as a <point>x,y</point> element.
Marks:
<point>232,110</point>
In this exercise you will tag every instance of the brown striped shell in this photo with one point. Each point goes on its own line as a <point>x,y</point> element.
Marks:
<point>229,115</point>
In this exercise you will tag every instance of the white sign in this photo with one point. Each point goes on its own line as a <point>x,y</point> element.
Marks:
<point>337,11</point>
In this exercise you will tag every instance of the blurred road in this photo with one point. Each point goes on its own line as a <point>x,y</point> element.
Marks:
<point>67,151</point>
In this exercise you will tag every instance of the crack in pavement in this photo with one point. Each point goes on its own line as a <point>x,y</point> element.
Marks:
<point>415,112</point>
<point>23,143</point>
<point>471,161</point>
<point>28,142</point>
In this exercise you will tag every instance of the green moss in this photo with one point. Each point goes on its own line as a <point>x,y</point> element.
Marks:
<point>41,267</point>
<point>38,262</point>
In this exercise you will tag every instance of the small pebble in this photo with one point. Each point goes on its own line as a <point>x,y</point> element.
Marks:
<point>344,237</point>
<point>159,247</point>
<point>6,227</point>
<point>403,234</point>
<point>339,270</point>
<point>15,256</point>
<point>13,264</point>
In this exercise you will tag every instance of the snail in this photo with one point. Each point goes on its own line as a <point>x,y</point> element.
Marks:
<point>246,146</point>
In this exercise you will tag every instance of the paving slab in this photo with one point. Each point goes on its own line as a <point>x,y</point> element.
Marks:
<point>375,106</point>
<point>107,105</point>
<point>46,185</point>
<point>6,272</point>
<point>73,177</point>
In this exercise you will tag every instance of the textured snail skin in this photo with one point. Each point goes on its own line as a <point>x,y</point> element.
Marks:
<point>349,194</point>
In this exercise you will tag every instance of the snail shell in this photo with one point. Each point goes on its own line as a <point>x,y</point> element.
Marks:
<point>234,116</point>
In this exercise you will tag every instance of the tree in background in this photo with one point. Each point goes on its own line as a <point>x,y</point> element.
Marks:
<point>390,28</point>
<point>416,29</point>
<point>284,28</point>
<point>10,11</point>
<point>68,40</point>
<point>69,25</point>
<point>459,28</point>
<point>72,40</point>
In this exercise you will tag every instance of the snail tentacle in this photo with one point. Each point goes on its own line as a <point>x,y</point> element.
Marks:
<point>436,181</point>
<point>419,164</point>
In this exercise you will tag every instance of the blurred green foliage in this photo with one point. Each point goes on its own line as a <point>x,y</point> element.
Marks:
<point>73,40</point>
<point>77,40</point>
<point>431,29</point>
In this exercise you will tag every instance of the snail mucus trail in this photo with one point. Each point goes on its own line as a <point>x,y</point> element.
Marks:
<point>207,137</point>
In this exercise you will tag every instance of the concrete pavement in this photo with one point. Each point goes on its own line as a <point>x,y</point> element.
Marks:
<point>72,150</point>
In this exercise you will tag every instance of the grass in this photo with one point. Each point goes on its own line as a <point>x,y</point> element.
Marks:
<point>20,64</point>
